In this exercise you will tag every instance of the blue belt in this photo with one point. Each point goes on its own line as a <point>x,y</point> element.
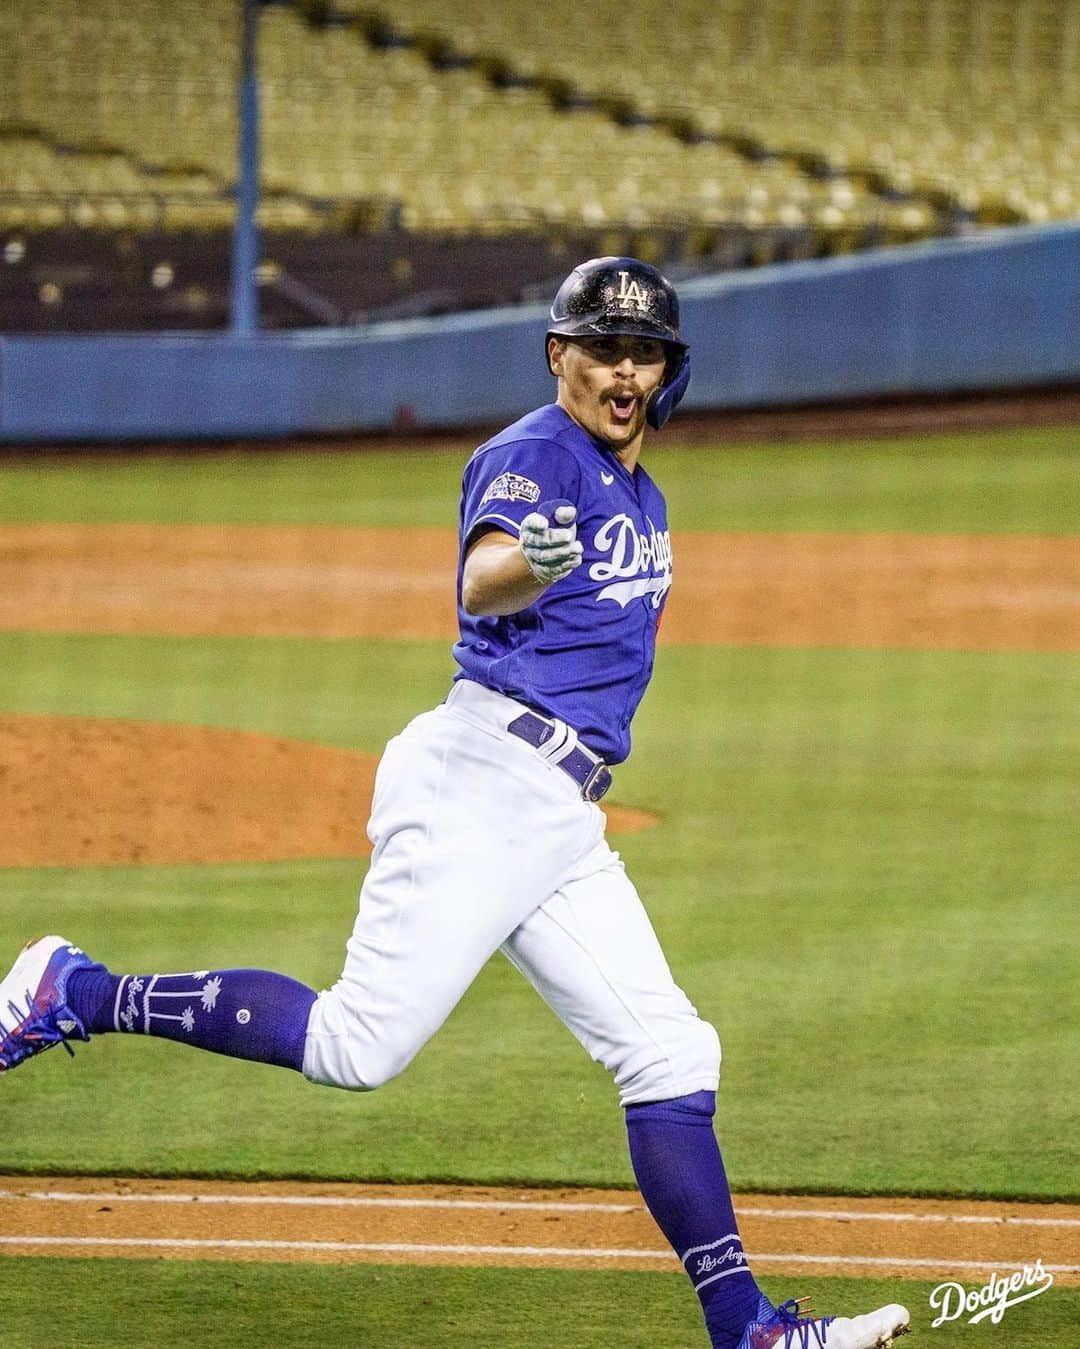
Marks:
<point>589,771</point>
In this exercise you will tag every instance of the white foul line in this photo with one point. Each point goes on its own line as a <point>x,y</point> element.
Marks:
<point>322,1201</point>
<point>394,1247</point>
<point>904,1261</point>
<point>496,1205</point>
<point>563,1252</point>
<point>865,1215</point>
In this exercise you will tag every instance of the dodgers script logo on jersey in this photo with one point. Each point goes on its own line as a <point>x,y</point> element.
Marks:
<point>641,562</point>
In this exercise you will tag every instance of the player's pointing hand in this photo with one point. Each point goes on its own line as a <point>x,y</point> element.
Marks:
<point>551,548</point>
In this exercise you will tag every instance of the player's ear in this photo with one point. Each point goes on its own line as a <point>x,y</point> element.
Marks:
<point>556,350</point>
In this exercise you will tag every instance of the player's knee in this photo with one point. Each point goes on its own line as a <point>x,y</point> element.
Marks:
<point>354,1067</point>
<point>695,1057</point>
<point>687,1061</point>
<point>708,1049</point>
<point>342,1051</point>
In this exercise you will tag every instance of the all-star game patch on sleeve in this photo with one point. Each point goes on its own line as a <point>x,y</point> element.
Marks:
<point>505,483</point>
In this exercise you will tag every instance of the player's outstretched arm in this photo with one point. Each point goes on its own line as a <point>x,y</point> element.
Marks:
<point>504,575</point>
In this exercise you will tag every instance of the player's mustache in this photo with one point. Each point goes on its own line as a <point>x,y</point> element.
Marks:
<point>629,391</point>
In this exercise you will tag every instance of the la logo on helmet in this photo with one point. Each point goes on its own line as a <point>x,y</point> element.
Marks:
<point>630,293</point>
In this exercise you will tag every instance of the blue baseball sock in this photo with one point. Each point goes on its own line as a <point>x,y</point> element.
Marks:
<point>681,1176</point>
<point>246,1014</point>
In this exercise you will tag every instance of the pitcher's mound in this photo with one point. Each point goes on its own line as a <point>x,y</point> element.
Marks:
<point>82,791</point>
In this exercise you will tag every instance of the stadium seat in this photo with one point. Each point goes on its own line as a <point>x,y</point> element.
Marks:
<point>851,118</point>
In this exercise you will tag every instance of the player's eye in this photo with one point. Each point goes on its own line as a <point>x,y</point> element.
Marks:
<point>604,349</point>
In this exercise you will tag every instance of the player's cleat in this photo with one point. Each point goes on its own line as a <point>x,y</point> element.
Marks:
<point>783,1328</point>
<point>34,1014</point>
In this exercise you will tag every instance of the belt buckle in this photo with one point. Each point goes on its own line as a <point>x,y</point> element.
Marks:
<point>597,783</point>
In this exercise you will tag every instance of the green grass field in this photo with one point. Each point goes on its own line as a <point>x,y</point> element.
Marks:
<point>1016,481</point>
<point>865,876</point>
<point>382,1306</point>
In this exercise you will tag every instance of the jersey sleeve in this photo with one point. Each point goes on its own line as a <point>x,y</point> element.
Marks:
<point>503,485</point>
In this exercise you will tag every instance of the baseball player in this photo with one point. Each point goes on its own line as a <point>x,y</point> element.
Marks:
<point>485,827</point>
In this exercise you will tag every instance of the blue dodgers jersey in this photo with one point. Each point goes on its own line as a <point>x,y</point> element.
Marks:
<point>584,651</point>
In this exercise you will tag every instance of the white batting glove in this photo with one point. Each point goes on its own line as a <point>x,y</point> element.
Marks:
<point>551,550</point>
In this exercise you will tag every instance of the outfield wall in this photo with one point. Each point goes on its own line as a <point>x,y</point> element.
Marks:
<point>1000,311</point>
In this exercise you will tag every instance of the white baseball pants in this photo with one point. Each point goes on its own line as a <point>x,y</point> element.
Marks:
<point>482,845</point>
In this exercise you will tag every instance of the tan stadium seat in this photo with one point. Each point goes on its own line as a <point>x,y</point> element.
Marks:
<point>818,103</point>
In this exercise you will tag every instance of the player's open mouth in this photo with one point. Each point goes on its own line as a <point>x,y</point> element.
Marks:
<point>622,407</point>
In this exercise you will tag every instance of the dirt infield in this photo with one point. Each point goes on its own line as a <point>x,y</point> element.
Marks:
<point>94,791</point>
<point>583,1229</point>
<point>886,417</point>
<point>958,592</point>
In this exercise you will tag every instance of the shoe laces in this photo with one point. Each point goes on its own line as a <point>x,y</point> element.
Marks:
<point>796,1307</point>
<point>799,1322</point>
<point>39,1031</point>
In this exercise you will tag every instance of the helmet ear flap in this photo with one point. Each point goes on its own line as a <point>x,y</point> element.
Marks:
<point>669,395</point>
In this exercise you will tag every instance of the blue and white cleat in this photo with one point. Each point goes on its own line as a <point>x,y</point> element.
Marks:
<point>34,1014</point>
<point>783,1328</point>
